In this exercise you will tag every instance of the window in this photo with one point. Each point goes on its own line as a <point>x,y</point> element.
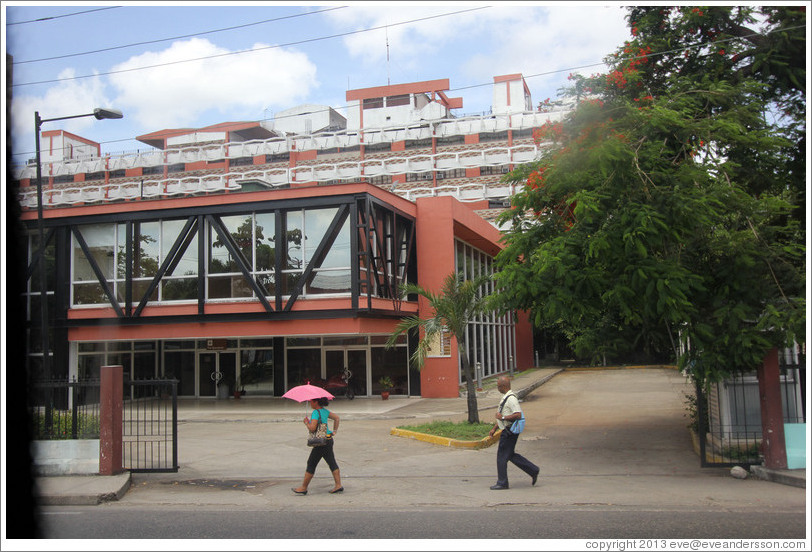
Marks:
<point>155,169</point>
<point>101,244</point>
<point>373,103</point>
<point>380,146</point>
<point>238,161</point>
<point>176,167</point>
<point>254,235</point>
<point>181,282</point>
<point>491,337</point>
<point>492,136</point>
<point>305,230</point>
<point>422,143</point>
<point>450,140</point>
<point>451,173</point>
<point>152,241</point>
<point>402,99</point>
<point>495,169</point>
<point>63,179</point>
<point>419,177</point>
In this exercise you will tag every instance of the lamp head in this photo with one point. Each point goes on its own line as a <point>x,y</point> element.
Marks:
<point>102,113</point>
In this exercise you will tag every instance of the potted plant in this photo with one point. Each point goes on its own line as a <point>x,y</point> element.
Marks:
<point>387,384</point>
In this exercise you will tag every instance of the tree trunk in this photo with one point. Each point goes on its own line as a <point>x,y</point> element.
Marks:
<point>470,386</point>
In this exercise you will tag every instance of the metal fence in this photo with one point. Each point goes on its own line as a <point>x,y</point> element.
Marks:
<point>729,414</point>
<point>150,432</point>
<point>65,409</point>
<point>69,409</point>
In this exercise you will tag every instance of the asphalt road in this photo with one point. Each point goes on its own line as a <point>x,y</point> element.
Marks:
<point>71,522</point>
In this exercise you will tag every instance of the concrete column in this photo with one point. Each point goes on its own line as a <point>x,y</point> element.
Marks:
<point>772,416</point>
<point>111,412</point>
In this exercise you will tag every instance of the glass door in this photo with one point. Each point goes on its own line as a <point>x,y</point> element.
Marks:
<point>335,360</point>
<point>216,373</point>
<point>357,363</point>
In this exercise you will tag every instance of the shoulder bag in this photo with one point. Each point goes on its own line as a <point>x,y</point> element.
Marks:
<point>318,438</point>
<point>516,426</point>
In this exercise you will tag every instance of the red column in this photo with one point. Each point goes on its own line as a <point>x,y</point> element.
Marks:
<point>772,416</point>
<point>111,411</point>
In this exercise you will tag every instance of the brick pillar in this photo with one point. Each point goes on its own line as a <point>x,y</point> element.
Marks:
<point>772,416</point>
<point>111,412</point>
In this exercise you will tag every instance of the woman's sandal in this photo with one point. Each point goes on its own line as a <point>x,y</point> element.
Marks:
<point>298,492</point>
<point>339,490</point>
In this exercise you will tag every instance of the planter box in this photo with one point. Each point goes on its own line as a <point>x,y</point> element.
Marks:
<point>65,457</point>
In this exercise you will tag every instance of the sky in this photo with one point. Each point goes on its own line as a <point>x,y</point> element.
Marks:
<point>184,65</point>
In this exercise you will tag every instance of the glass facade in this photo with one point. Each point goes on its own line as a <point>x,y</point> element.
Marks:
<point>491,338</point>
<point>248,365</point>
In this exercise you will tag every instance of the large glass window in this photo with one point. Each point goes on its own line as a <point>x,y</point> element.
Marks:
<point>180,283</point>
<point>490,337</point>
<point>253,235</point>
<point>32,297</point>
<point>152,242</point>
<point>101,243</point>
<point>146,258</point>
<point>305,231</point>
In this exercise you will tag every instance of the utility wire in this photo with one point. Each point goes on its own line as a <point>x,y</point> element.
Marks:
<point>111,48</point>
<point>43,19</point>
<point>527,77</point>
<point>250,50</point>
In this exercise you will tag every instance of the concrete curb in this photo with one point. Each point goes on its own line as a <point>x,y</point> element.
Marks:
<point>445,441</point>
<point>82,490</point>
<point>787,477</point>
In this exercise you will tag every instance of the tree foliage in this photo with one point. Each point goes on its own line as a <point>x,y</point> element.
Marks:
<point>457,304</point>
<point>667,213</point>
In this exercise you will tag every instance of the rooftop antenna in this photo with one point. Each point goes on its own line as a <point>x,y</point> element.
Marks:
<point>387,55</point>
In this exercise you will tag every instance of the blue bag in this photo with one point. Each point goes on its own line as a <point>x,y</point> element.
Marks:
<point>517,426</point>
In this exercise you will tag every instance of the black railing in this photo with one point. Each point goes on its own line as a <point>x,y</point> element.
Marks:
<point>729,413</point>
<point>64,409</point>
<point>150,433</point>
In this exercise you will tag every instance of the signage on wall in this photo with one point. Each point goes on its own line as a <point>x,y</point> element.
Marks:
<point>216,344</point>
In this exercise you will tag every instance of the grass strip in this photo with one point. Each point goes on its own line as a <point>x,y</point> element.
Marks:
<point>462,431</point>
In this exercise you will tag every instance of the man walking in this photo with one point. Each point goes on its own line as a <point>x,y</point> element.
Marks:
<point>508,412</point>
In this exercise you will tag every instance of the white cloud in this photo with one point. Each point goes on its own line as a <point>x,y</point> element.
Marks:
<point>70,97</point>
<point>175,95</point>
<point>412,42</point>
<point>552,41</point>
<point>478,45</point>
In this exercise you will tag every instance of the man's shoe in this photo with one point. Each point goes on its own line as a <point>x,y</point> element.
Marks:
<point>499,487</point>
<point>535,478</point>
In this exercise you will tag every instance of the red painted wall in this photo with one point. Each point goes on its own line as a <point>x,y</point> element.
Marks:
<point>439,221</point>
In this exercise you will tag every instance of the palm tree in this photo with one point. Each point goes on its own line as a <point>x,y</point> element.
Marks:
<point>456,305</point>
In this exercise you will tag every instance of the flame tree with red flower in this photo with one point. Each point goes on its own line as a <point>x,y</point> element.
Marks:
<point>665,219</point>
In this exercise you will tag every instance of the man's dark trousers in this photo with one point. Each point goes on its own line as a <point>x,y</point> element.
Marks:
<point>505,453</point>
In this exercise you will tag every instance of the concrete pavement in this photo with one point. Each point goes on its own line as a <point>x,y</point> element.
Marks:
<point>603,438</point>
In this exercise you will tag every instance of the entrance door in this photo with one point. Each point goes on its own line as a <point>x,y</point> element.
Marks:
<point>355,360</point>
<point>216,373</point>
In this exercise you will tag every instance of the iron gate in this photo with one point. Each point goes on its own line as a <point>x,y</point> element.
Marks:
<point>729,413</point>
<point>150,425</point>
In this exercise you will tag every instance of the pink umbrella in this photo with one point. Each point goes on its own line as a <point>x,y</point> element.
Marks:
<point>307,392</point>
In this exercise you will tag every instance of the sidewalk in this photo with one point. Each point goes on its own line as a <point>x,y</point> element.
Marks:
<point>254,444</point>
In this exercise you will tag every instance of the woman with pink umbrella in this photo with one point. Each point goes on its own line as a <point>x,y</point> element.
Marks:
<point>319,399</point>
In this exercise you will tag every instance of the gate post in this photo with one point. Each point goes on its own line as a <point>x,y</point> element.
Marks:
<point>111,412</point>
<point>772,415</point>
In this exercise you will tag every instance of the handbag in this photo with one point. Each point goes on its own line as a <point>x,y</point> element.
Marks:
<point>516,426</point>
<point>318,438</point>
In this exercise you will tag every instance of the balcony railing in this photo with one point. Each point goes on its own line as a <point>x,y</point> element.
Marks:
<point>275,146</point>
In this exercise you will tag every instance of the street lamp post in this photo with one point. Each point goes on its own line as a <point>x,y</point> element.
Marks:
<point>99,113</point>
